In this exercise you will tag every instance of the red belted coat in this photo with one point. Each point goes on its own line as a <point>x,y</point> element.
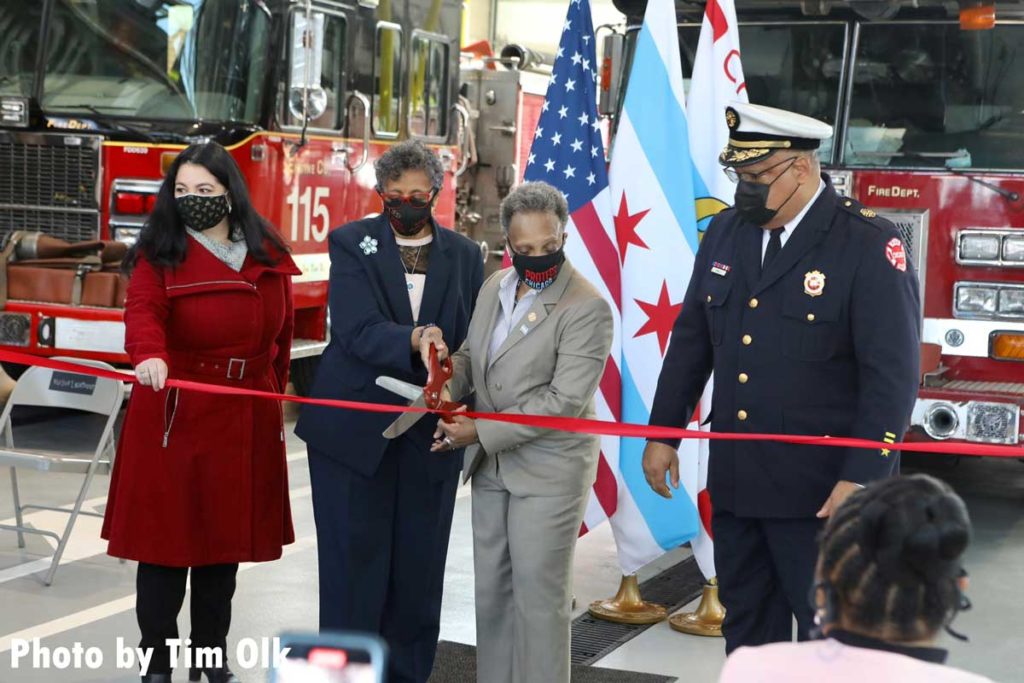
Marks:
<point>201,478</point>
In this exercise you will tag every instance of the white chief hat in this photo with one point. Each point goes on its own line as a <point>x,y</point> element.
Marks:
<point>755,131</point>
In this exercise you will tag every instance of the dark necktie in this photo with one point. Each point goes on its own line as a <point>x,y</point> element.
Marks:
<point>774,247</point>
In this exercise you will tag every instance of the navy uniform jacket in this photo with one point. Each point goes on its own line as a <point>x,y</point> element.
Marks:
<point>371,328</point>
<point>842,363</point>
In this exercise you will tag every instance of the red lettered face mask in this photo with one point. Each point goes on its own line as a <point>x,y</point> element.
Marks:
<point>538,272</point>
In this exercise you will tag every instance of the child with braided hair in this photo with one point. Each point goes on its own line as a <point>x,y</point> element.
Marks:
<point>888,579</point>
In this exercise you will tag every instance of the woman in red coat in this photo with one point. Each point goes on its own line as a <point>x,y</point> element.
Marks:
<point>200,480</point>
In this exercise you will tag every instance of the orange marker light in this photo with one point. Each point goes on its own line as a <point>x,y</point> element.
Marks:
<point>166,159</point>
<point>1008,346</point>
<point>978,18</point>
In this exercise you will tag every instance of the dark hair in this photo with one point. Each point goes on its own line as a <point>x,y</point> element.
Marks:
<point>410,155</point>
<point>163,239</point>
<point>534,197</point>
<point>891,557</point>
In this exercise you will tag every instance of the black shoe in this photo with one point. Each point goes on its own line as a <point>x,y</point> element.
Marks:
<point>221,675</point>
<point>157,678</point>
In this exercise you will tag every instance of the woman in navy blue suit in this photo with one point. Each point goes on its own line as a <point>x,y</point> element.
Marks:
<point>383,508</point>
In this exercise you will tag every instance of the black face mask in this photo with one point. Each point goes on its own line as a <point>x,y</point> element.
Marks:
<point>752,199</point>
<point>407,218</point>
<point>201,212</point>
<point>539,272</point>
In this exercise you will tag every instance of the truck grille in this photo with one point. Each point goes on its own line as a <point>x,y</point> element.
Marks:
<point>48,183</point>
<point>1012,388</point>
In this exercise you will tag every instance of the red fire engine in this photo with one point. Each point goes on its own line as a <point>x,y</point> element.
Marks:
<point>927,101</point>
<point>97,97</point>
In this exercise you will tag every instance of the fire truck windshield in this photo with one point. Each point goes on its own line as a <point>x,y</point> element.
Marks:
<point>932,95</point>
<point>795,66</point>
<point>149,59</point>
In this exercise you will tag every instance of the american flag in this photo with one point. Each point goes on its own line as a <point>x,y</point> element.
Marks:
<point>568,152</point>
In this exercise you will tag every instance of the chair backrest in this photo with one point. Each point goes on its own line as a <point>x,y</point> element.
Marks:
<point>43,387</point>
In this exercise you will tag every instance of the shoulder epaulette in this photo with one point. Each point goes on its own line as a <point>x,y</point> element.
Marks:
<point>864,213</point>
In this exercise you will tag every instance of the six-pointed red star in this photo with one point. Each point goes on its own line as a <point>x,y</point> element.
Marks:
<point>660,317</point>
<point>625,228</point>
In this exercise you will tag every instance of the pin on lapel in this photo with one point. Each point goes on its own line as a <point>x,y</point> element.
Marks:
<point>368,245</point>
<point>532,317</point>
<point>720,268</point>
<point>814,283</point>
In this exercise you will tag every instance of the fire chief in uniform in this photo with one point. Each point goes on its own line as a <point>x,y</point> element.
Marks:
<point>806,307</point>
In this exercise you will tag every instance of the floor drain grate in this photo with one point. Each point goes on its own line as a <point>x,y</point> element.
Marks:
<point>593,638</point>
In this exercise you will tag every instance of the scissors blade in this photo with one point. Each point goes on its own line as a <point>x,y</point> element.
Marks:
<point>406,390</point>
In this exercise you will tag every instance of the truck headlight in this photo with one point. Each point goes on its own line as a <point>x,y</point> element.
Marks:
<point>1011,302</point>
<point>1013,248</point>
<point>979,247</point>
<point>975,299</point>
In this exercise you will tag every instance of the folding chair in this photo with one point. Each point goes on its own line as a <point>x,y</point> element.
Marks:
<point>42,387</point>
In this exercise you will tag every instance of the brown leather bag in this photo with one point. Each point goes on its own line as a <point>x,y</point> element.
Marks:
<point>37,267</point>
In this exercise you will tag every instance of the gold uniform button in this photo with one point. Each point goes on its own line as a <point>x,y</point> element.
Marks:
<point>753,303</point>
<point>810,317</point>
<point>743,378</point>
<point>742,415</point>
<point>747,339</point>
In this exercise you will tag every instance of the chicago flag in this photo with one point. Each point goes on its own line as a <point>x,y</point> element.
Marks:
<point>717,80</point>
<point>666,186</point>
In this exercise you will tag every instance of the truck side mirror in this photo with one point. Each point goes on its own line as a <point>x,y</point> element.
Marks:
<point>611,73</point>
<point>307,100</point>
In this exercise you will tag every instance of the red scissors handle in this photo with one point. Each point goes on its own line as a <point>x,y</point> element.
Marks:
<point>440,373</point>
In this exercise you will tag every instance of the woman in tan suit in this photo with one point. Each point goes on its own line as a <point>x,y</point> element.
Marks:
<point>537,344</point>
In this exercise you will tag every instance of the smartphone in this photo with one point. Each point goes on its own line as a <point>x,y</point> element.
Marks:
<point>332,657</point>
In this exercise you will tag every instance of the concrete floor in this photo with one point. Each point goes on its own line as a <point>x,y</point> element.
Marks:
<point>92,599</point>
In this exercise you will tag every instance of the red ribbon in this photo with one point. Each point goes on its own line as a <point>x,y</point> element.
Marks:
<point>566,424</point>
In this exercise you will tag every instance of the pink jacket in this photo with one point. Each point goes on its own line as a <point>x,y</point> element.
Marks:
<point>829,660</point>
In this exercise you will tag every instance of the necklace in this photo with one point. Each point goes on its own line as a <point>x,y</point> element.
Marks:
<point>411,271</point>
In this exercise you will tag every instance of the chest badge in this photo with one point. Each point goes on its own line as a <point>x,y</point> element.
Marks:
<point>814,283</point>
<point>720,268</point>
<point>532,317</point>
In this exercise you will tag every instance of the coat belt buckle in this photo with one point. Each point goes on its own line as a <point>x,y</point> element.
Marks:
<point>241,368</point>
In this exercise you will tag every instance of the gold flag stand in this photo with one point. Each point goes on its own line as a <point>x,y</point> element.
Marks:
<point>627,607</point>
<point>707,620</point>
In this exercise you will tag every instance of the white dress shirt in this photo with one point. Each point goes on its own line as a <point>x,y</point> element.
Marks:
<point>512,311</point>
<point>789,227</point>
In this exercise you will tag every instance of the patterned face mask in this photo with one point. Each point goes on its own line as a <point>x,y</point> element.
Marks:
<point>202,212</point>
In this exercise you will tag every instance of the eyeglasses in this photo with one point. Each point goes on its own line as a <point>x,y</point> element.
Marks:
<point>736,176</point>
<point>417,200</point>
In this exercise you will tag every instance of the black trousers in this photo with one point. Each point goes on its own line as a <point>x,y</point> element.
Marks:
<point>765,572</point>
<point>382,542</point>
<point>161,592</point>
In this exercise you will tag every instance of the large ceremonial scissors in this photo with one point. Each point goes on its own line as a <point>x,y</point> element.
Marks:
<point>440,373</point>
